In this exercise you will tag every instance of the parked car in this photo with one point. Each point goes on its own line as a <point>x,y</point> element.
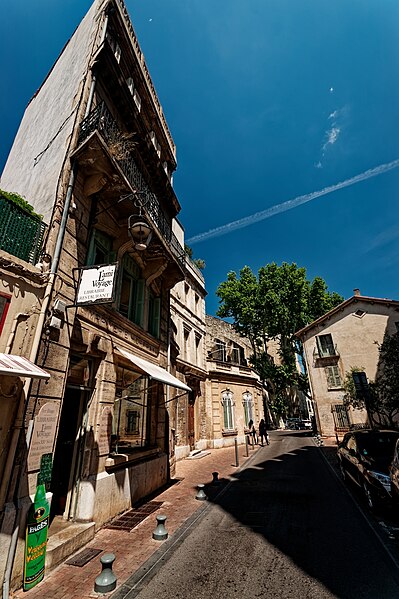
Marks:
<point>364,457</point>
<point>394,473</point>
<point>298,424</point>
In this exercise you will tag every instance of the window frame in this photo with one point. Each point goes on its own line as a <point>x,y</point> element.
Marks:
<point>228,410</point>
<point>5,308</point>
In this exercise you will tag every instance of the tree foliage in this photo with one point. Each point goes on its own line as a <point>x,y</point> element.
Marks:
<point>273,305</point>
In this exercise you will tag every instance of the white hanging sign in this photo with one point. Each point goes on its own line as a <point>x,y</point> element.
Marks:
<point>97,284</point>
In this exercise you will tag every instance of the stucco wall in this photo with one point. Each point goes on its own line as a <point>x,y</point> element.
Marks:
<point>357,339</point>
<point>38,152</point>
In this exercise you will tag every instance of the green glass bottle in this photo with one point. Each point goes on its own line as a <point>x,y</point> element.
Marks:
<point>36,538</point>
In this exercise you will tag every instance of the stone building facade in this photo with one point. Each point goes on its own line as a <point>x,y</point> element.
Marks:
<point>188,416</point>
<point>346,337</point>
<point>94,155</point>
<point>234,393</point>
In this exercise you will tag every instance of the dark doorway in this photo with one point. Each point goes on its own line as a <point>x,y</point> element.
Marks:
<point>65,450</point>
<point>190,420</point>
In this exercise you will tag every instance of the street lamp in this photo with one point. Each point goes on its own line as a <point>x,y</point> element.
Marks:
<point>138,226</point>
<point>140,231</point>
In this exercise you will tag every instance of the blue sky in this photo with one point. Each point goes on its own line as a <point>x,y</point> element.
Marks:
<point>267,100</point>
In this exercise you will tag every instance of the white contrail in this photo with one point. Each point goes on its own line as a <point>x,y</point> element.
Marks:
<point>278,208</point>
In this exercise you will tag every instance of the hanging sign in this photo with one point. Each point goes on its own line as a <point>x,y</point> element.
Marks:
<point>97,284</point>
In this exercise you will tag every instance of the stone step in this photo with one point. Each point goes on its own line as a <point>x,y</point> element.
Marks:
<point>67,541</point>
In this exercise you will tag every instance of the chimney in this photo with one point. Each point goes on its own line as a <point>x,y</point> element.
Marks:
<point>356,292</point>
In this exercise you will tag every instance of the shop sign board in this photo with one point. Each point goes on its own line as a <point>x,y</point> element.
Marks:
<point>97,284</point>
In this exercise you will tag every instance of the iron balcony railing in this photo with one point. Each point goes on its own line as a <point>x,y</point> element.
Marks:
<point>327,352</point>
<point>101,120</point>
<point>21,233</point>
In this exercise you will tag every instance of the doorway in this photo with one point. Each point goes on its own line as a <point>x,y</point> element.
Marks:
<point>191,420</point>
<point>64,464</point>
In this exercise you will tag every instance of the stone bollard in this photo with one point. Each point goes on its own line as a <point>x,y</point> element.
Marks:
<point>106,581</point>
<point>160,533</point>
<point>201,493</point>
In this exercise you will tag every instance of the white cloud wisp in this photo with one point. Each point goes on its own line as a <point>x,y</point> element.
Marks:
<point>298,201</point>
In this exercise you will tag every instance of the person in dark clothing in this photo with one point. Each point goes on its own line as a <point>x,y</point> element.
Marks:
<point>263,432</point>
<point>252,432</point>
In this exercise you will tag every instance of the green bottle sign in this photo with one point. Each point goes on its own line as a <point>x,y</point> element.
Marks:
<point>36,538</point>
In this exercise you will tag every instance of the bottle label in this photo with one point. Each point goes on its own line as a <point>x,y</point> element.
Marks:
<point>36,543</point>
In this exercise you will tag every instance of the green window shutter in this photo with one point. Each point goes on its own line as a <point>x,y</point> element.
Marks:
<point>139,304</point>
<point>154,325</point>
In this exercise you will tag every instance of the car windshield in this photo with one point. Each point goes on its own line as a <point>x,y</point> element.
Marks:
<point>378,445</point>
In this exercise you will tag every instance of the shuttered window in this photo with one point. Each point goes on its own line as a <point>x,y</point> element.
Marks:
<point>333,377</point>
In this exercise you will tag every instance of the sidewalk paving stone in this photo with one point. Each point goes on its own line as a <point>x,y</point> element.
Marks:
<point>132,549</point>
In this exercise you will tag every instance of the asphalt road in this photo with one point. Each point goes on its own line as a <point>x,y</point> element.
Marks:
<point>285,527</point>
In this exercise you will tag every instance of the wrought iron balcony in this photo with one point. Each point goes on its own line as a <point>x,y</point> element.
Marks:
<point>101,120</point>
<point>21,233</point>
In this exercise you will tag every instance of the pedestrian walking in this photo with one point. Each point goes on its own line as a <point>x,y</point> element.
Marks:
<point>252,431</point>
<point>263,432</point>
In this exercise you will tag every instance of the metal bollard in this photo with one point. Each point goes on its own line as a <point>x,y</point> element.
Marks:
<point>215,480</point>
<point>106,581</point>
<point>160,533</point>
<point>236,452</point>
<point>201,493</point>
<point>246,446</point>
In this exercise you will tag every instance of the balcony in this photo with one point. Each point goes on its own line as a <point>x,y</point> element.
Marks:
<point>325,353</point>
<point>129,177</point>
<point>21,233</point>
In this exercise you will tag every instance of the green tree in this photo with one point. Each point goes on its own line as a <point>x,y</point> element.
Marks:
<point>273,306</point>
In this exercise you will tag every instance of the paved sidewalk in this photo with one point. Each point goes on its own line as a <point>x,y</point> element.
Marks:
<point>134,548</point>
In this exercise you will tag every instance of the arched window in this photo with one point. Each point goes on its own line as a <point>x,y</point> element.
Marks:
<point>248,404</point>
<point>228,412</point>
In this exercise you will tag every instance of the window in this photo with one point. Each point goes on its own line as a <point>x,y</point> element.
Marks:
<point>4,305</point>
<point>114,47</point>
<point>333,377</point>
<point>155,143</point>
<point>134,92</point>
<point>228,416</point>
<point>238,355</point>
<point>130,423</point>
<point>100,249</point>
<point>340,415</point>
<point>220,352</point>
<point>154,314</point>
<point>248,404</point>
<point>131,291</point>
<point>186,337</point>
<point>325,346</point>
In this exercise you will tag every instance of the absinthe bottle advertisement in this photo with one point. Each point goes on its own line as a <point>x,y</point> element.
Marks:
<point>36,537</point>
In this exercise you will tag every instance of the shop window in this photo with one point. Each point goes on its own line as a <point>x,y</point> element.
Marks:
<point>228,411</point>
<point>248,405</point>
<point>100,249</point>
<point>4,305</point>
<point>130,428</point>
<point>131,291</point>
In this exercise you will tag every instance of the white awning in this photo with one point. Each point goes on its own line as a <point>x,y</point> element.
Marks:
<point>20,366</point>
<point>155,372</point>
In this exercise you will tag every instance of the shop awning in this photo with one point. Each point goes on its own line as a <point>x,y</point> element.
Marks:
<point>19,366</point>
<point>155,372</point>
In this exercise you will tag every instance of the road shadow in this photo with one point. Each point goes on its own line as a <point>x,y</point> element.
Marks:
<point>295,502</point>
